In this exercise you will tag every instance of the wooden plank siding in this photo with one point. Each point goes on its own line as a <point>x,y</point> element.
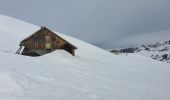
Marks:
<point>45,40</point>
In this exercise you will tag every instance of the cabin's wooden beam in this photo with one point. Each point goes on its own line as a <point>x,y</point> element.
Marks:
<point>19,50</point>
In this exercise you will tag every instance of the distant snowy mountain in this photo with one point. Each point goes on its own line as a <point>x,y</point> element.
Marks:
<point>93,74</point>
<point>158,51</point>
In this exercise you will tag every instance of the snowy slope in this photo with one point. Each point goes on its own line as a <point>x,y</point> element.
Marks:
<point>94,74</point>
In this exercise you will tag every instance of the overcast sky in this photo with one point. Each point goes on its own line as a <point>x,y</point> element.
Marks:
<point>105,23</point>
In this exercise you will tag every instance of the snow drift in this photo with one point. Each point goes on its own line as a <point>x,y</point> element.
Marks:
<point>93,74</point>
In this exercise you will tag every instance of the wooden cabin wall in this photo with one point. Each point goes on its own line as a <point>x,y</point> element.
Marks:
<point>59,42</point>
<point>35,43</point>
<point>29,44</point>
<point>56,41</point>
<point>40,39</point>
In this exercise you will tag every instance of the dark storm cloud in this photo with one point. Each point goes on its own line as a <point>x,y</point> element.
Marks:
<point>100,22</point>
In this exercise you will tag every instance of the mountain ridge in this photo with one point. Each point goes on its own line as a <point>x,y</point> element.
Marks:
<point>158,51</point>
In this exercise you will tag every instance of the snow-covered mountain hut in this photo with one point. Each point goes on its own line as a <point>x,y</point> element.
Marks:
<point>44,41</point>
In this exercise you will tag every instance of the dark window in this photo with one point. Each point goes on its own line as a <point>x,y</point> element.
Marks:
<point>53,38</point>
<point>41,39</point>
<point>39,42</point>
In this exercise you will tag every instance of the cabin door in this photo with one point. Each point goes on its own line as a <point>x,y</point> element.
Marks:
<point>48,42</point>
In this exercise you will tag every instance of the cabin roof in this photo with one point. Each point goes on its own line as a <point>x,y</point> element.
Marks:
<point>49,31</point>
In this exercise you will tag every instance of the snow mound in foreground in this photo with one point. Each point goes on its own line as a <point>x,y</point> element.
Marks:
<point>93,74</point>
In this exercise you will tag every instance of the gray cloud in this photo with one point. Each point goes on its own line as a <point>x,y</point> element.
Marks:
<point>100,22</point>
